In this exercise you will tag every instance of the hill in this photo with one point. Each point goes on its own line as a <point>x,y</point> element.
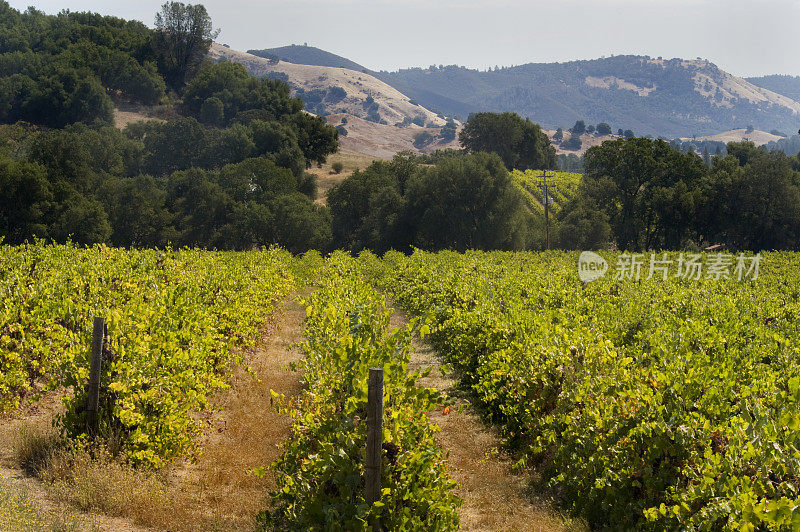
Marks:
<point>382,141</point>
<point>788,86</point>
<point>669,98</point>
<point>652,96</point>
<point>374,118</point>
<point>759,138</point>
<point>326,90</point>
<point>308,55</point>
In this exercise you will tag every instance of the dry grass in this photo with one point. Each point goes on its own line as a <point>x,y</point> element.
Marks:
<point>219,492</point>
<point>215,492</point>
<point>738,135</point>
<point>496,497</point>
<point>327,178</point>
<point>34,418</point>
<point>128,113</point>
<point>92,481</point>
<point>18,513</point>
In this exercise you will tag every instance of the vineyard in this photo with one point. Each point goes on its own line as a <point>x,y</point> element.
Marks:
<point>564,187</point>
<point>173,318</point>
<point>654,403</point>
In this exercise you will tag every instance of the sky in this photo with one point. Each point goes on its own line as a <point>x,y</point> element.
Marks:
<point>743,37</point>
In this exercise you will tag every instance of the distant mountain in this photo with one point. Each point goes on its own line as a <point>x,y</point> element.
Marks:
<point>788,86</point>
<point>307,55</point>
<point>788,145</point>
<point>669,98</point>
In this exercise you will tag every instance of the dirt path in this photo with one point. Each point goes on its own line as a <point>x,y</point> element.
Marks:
<point>495,496</point>
<point>216,492</point>
<point>219,491</point>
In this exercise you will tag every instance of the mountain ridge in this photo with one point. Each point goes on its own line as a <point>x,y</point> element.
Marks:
<point>308,55</point>
<point>786,85</point>
<point>652,96</point>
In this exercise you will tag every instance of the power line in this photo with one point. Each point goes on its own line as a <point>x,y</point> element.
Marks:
<point>547,199</point>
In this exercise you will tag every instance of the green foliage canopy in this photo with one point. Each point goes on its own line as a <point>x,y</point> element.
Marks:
<point>520,143</point>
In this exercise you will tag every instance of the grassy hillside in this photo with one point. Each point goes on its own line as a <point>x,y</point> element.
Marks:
<point>788,86</point>
<point>307,55</point>
<point>669,98</point>
<point>651,96</point>
<point>326,90</point>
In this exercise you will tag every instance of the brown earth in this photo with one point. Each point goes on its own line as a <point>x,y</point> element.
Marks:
<point>496,497</point>
<point>327,178</point>
<point>383,140</point>
<point>218,491</point>
<point>128,113</point>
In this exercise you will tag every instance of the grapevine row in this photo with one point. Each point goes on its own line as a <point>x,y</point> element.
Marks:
<point>660,404</point>
<point>174,319</point>
<point>321,472</point>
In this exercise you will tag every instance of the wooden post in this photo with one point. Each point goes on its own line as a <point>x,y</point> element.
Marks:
<point>374,438</point>
<point>95,371</point>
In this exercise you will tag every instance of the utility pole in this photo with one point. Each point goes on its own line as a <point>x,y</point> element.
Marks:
<point>545,186</point>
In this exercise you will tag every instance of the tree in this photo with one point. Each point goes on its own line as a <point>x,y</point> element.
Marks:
<point>620,133</point>
<point>647,190</point>
<point>422,139</point>
<point>559,135</point>
<point>315,137</point>
<point>183,36</point>
<point>573,143</point>
<point>466,203</point>
<point>629,134</point>
<point>212,112</point>
<point>367,207</point>
<point>225,146</point>
<point>173,145</point>
<point>603,129</point>
<point>25,199</point>
<point>590,129</point>
<point>582,225</point>
<point>520,143</point>
<point>751,200</point>
<point>278,141</point>
<point>79,218</point>
<point>244,97</point>
<point>448,132</point>
<point>137,212</point>
<point>579,128</point>
<point>303,225</point>
<point>257,180</point>
<point>201,207</point>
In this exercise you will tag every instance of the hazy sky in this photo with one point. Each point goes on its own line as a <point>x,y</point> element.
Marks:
<point>746,38</point>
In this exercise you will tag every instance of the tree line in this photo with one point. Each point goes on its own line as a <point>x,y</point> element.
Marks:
<point>644,194</point>
<point>226,169</point>
<point>636,194</point>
